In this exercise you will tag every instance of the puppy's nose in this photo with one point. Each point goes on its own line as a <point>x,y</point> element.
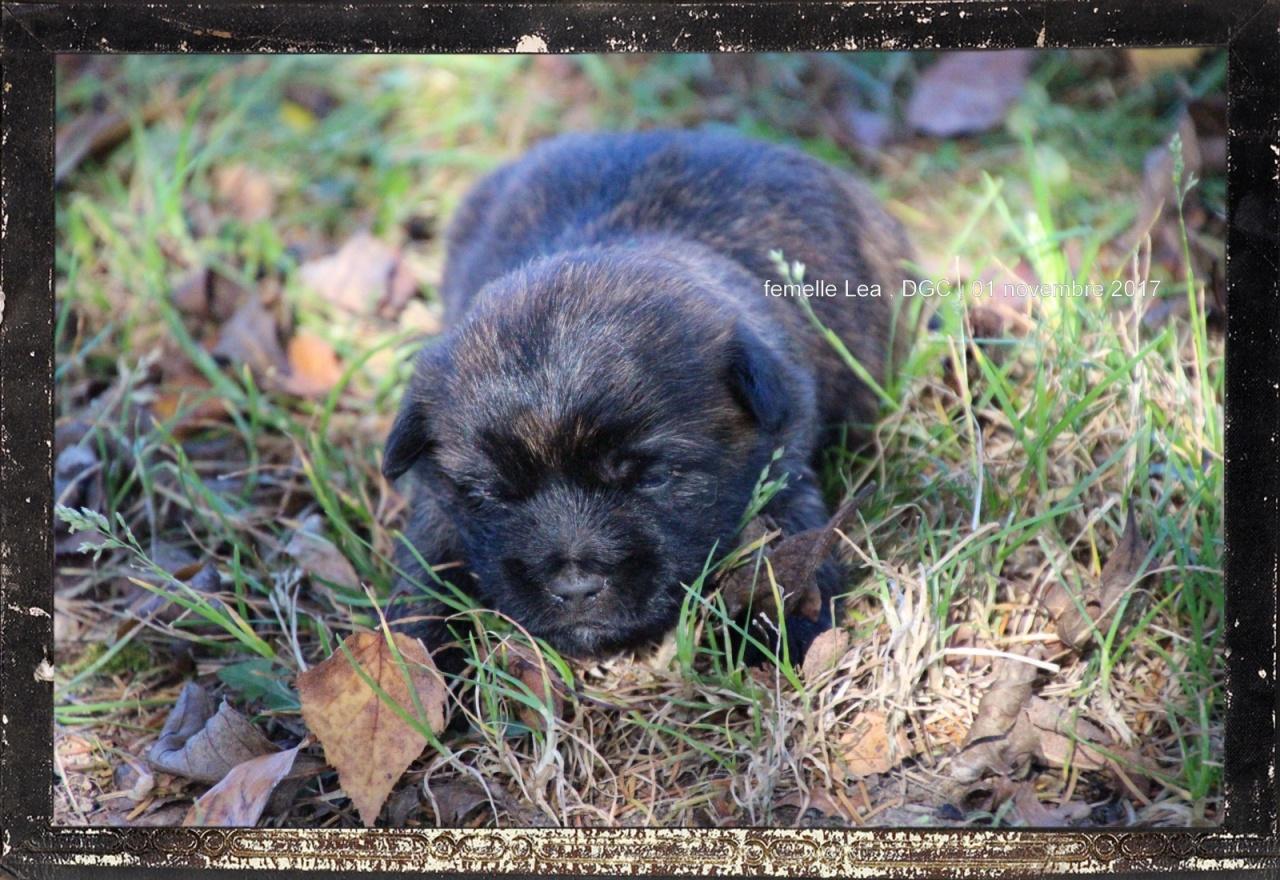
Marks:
<point>576,585</point>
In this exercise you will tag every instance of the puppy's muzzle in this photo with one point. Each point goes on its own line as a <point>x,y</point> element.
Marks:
<point>574,586</point>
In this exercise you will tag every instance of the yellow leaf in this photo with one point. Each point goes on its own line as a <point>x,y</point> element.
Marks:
<point>297,117</point>
<point>1147,63</point>
<point>313,366</point>
<point>365,738</point>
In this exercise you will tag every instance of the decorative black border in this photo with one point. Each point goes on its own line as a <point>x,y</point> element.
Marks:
<point>30,35</point>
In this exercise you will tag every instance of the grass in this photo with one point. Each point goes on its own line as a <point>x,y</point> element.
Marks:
<point>1004,466</point>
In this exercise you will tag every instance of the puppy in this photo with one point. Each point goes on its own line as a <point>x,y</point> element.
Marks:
<point>617,374</point>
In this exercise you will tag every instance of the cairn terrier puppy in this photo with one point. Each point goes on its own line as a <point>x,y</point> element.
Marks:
<point>621,362</point>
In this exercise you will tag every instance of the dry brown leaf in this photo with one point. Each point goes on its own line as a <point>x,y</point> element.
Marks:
<point>160,606</point>
<point>204,745</point>
<point>794,561</point>
<point>204,293</point>
<point>867,747</point>
<point>1120,575</point>
<point>419,317</point>
<point>526,665</point>
<point>1063,738</point>
<point>1011,727</point>
<point>251,337</point>
<point>365,276</point>
<point>968,92</point>
<point>1000,310</point>
<point>241,796</point>
<point>995,742</point>
<point>1158,194</point>
<point>77,482</point>
<point>97,133</point>
<point>1029,811</point>
<point>455,800</point>
<point>364,737</point>
<point>319,558</point>
<point>186,393</point>
<point>854,126</point>
<point>824,653</point>
<point>245,191</point>
<point>313,366</point>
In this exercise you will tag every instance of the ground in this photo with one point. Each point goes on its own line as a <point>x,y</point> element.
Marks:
<point>247,257</point>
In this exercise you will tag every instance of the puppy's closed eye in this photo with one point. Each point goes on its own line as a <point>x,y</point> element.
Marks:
<point>636,471</point>
<point>656,476</point>
<point>476,493</point>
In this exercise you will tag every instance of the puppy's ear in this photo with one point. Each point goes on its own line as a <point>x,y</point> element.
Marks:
<point>408,439</point>
<point>756,380</point>
<point>410,436</point>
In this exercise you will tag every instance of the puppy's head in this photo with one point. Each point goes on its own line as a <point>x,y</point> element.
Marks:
<point>593,428</point>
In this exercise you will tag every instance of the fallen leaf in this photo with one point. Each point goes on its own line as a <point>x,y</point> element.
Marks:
<point>319,558</point>
<point>189,398</point>
<point>403,804</point>
<point>857,127</point>
<point>419,317</point>
<point>1120,575</point>
<point>1063,738</point>
<point>245,191</point>
<point>1158,194</point>
<point>542,680</point>
<point>363,736</point>
<point>94,134</point>
<point>69,468</point>
<point>204,293</point>
<point>455,800</point>
<point>297,117</point>
<point>868,748</point>
<point>313,366</point>
<point>1146,63</point>
<point>968,92</point>
<point>314,98</point>
<point>825,653</point>
<point>240,797</point>
<point>995,742</point>
<point>794,561</point>
<point>1030,812</point>
<point>251,338</point>
<point>1163,309</point>
<point>77,482</point>
<point>1000,310</point>
<point>363,277</point>
<point>160,606</point>
<point>204,745</point>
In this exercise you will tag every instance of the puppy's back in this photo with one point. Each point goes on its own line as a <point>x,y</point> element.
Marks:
<point>740,197</point>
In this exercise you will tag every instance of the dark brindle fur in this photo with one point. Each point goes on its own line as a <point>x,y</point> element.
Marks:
<point>615,378</point>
